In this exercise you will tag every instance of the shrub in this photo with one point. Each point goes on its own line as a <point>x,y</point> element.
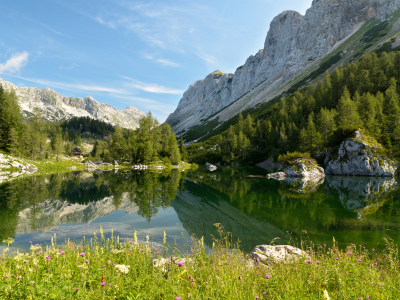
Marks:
<point>290,157</point>
<point>342,133</point>
<point>194,166</point>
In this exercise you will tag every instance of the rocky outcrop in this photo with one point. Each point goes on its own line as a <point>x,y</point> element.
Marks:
<point>361,155</point>
<point>293,43</point>
<point>277,176</point>
<point>12,167</point>
<point>211,167</point>
<point>55,107</point>
<point>305,168</point>
<point>268,254</point>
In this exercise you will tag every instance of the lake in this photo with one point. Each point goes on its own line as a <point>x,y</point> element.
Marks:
<point>255,210</point>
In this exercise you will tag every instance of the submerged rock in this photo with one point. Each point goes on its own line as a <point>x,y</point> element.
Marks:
<point>282,253</point>
<point>361,155</point>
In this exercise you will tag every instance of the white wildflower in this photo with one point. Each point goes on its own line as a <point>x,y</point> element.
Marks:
<point>123,269</point>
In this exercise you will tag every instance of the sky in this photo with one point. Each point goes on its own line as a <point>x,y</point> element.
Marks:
<point>143,54</point>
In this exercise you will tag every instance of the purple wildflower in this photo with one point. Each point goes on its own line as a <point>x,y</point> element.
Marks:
<point>180,263</point>
<point>103,284</point>
<point>82,254</point>
<point>87,261</point>
<point>30,242</point>
<point>309,261</point>
<point>48,258</point>
<point>267,276</point>
<point>62,252</point>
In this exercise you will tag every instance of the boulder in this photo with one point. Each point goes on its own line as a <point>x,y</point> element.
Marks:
<point>361,155</point>
<point>211,167</point>
<point>304,185</point>
<point>303,167</point>
<point>277,176</point>
<point>282,253</point>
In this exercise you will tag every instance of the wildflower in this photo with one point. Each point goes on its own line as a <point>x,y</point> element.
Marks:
<point>38,254</point>
<point>62,252</point>
<point>103,284</point>
<point>309,261</point>
<point>240,277</point>
<point>258,260</point>
<point>359,260</point>
<point>82,254</point>
<point>256,297</point>
<point>6,276</point>
<point>350,253</point>
<point>264,293</point>
<point>258,267</point>
<point>19,277</point>
<point>130,242</point>
<point>123,269</point>
<point>130,249</point>
<point>87,261</point>
<point>324,245</point>
<point>104,266</point>
<point>142,250</point>
<point>30,242</point>
<point>373,249</point>
<point>376,264</point>
<point>267,276</point>
<point>113,265</point>
<point>317,262</point>
<point>337,258</point>
<point>329,249</point>
<point>77,289</point>
<point>48,258</point>
<point>207,282</point>
<point>180,263</point>
<point>360,246</point>
<point>25,262</point>
<point>178,298</point>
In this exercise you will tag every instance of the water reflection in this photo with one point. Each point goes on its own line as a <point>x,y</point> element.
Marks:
<point>255,210</point>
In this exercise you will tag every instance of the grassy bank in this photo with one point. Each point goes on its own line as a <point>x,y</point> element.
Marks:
<point>114,269</point>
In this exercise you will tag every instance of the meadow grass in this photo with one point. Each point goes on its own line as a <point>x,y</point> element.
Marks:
<point>112,269</point>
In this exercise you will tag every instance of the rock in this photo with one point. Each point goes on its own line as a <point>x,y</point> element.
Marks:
<point>361,155</point>
<point>304,167</point>
<point>272,254</point>
<point>293,43</point>
<point>211,167</point>
<point>269,165</point>
<point>115,163</point>
<point>277,176</point>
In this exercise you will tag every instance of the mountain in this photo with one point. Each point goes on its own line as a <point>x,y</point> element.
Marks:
<point>297,51</point>
<point>56,107</point>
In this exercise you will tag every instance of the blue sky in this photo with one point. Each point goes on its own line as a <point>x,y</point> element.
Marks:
<point>139,53</point>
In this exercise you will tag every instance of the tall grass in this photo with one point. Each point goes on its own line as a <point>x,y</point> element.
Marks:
<point>114,269</point>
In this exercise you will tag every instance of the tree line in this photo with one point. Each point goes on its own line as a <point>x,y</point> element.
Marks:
<point>364,94</point>
<point>37,138</point>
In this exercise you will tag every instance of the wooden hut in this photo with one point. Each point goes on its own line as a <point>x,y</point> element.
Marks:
<point>77,152</point>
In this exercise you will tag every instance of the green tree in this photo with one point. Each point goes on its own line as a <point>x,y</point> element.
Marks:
<point>310,138</point>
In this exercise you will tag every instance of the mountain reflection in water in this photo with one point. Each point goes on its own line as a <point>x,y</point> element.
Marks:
<point>255,210</point>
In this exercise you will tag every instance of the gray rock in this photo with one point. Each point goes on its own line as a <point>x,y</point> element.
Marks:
<point>277,176</point>
<point>361,155</point>
<point>304,185</point>
<point>303,167</point>
<point>211,167</point>
<point>272,254</point>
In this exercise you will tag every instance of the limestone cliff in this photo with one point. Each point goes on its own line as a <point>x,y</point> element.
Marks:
<point>293,43</point>
<point>55,107</point>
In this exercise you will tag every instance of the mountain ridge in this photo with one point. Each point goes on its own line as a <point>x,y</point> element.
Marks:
<point>294,44</point>
<point>55,107</point>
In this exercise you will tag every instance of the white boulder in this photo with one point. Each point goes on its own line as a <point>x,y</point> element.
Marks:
<point>361,155</point>
<point>281,253</point>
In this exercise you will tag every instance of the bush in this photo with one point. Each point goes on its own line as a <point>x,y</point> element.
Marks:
<point>194,166</point>
<point>342,133</point>
<point>290,157</point>
<point>166,161</point>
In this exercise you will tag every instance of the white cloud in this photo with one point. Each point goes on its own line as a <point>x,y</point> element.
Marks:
<point>16,62</point>
<point>166,62</point>
<point>151,87</point>
<point>72,86</point>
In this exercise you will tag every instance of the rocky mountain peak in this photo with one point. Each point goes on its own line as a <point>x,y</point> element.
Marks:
<point>55,107</point>
<point>293,43</point>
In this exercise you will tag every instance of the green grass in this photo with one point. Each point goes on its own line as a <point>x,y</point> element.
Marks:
<point>90,271</point>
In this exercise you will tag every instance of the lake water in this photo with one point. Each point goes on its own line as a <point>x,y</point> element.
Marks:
<point>188,204</point>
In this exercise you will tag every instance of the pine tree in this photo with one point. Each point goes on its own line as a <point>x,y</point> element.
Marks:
<point>183,150</point>
<point>326,123</point>
<point>348,111</point>
<point>118,143</point>
<point>310,138</point>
